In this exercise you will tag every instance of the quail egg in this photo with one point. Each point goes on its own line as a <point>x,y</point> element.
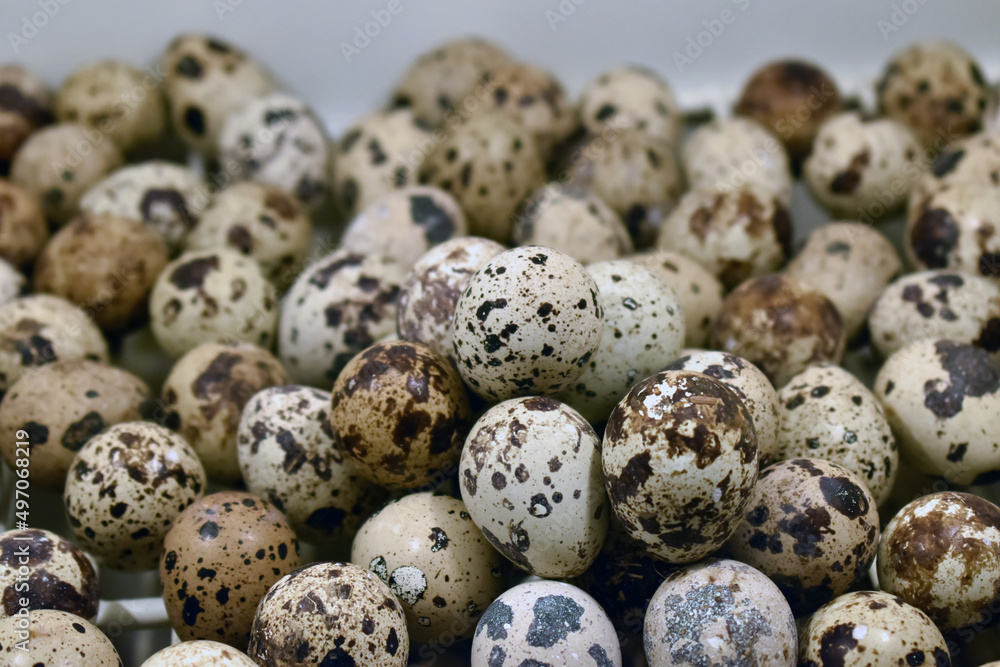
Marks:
<point>24,230</point>
<point>954,229</point>
<point>198,653</point>
<point>631,97</point>
<point>53,638</point>
<point>40,570</point>
<point>19,120</point>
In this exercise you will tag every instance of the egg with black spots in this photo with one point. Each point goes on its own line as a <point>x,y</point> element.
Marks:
<point>698,291</point>
<point>54,639</point>
<point>633,97</point>
<point>971,159</point>
<point>954,229</point>
<point>56,574</point>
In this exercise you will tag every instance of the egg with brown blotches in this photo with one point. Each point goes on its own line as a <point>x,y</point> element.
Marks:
<point>56,574</point>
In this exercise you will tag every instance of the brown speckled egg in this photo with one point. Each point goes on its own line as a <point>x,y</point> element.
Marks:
<point>812,527</point>
<point>680,457</point>
<point>399,414</point>
<point>941,553</point>
<point>61,406</point>
<point>287,454</point>
<point>828,413</point>
<point>106,265</point>
<point>531,479</point>
<point>125,488</point>
<point>55,639</point>
<point>428,298</point>
<point>779,325</point>
<point>204,395</point>
<point>56,574</point>
<point>870,627</point>
<point>19,120</point>
<point>954,228</point>
<point>545,623</point>
<point>199,653</point>
<point>526,324</point>
<point>23,228</point>
<point>942,399</point>
<point>343,614</point>
<point>436,562</point>
<point>220,557</point>
<point>719,612</point>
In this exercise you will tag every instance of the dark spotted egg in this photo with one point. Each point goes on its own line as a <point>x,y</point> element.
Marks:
<point>55,639</point>
<point>56,575</point>
<point>954,228</point>
<point>631,97</point>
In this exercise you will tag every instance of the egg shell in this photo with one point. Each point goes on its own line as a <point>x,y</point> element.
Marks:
<point>19,121</point>
<point>198,653</point>
<point>719,612</point>
<point>57,574</point>
<point>812,527</point>
<point>55,639</point>
<point>680,459</point>
<point>25,229</point>
<point>343,613</point>
<point>526,324</point>
<point>221,556</point>
<point>631,96</point>
<point>941,399</point>
<point>531,479</point>
<point>967,160</point>
<point>59,407</point>
<point>12,281</point>
<point>941,553</point>
<point>954,229</point>
<point>287,455</point>
<point>436,562</point>
<point>545,622</point>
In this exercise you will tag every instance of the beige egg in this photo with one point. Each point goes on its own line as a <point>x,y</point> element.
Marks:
<point>54,639</point>
<point>198,654</point>
<point>780,325</point>
<point>18,122</point>
<point>954,229</point>
<point>719,612</point>
<point>23,228</point>
<point>531,479</point>
<point>812,527</point>
<point>680,459</point>
<point>941,553</point>
<point>967,160</point>
<point>126,487</point>
<point>343,613</point>
<point>435,561</point>
<point>12,281</point>
<point>827,413</point>
<point>631,96</point>
<point>56,574</point>
<point>941,399</point>
<point>221,556</point>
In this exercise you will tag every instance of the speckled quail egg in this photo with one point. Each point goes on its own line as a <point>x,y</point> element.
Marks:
<point>827,413</point>
<point>343,614</point>
<point>221,556</point>
<point>780,325</point>
<point>941,553</point>
<point>116,99</point>
<point>213,295</point>
<point>23,228</point>
<point>527,323</point>
<point>167,196</point>
<point>941,399</point>
<point>862,168</point>
<point>719,612</point>
<point>531,479</point>
<point>204,395</point>
<point>436,562</point>
<point>698,291</point>
<point>106,265</point>
<point>42,329</point>
<point>940,304</point>
<point>28,108</point>
<point>543,623</point>
<point>680,459</point>
<point>258,220</point>
<point>791,98</point>
<point>59,407</point>
<point>812,527</point>
<point>866,627</point>
<point>405,224</point>
<point>850,264</point>
<point>58,164</point>
<point>207,79</point>
<point>428,298</point>
<point>197,654</point>
<point>12,281</point>
<point>935,88</point>
<point>287,455</point>
<point>729,154</point>
<point>399,414</point>
<point>972,159</point>
<point>53,638</point>
<point>490,163</point>
<point>277,139</point>
<point>335,309</point>
<point>631,97</point>
<point>574,221</point>
<point>749,383</point>
<point>735,234</point>
<point>40,570</point>
<point>954,229</point>
<point>125,488</point>
<point>643,331</point>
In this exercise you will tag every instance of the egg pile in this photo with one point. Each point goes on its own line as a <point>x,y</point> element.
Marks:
<point>565,392</point>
